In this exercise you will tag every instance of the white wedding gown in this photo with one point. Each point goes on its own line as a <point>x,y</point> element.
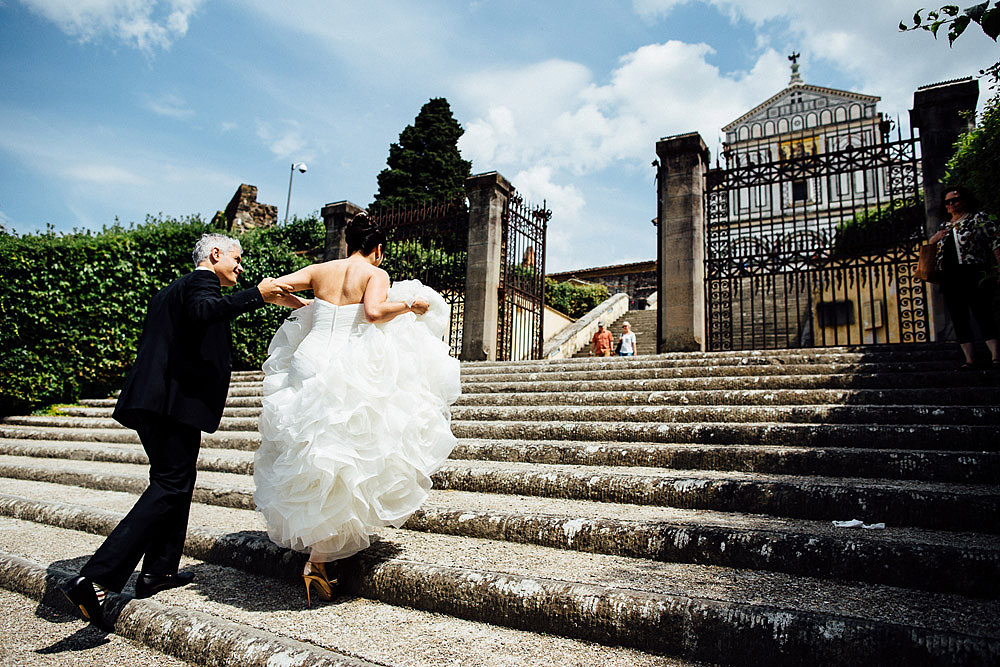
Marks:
<point>356,417</point>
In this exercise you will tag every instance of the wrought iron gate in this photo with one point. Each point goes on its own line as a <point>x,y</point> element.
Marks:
<point>522,280</point>
<point>429,243</point>
<point>812,242</point>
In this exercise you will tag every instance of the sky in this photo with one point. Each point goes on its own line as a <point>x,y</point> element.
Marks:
<point>116,109</point>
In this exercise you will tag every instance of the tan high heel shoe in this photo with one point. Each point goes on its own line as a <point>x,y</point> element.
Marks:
<point>316,574</point>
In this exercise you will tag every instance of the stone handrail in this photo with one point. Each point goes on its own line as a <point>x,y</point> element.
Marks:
<point>577,335</point>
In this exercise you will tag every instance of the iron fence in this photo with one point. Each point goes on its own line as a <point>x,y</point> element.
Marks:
<point>429,243</point>
<point>522,280</point>
<point>811,240</point>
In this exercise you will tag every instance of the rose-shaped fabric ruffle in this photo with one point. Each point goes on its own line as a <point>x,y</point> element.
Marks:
<point>355,420</point>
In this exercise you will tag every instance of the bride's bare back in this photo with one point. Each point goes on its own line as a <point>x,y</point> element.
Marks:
<point>345,282</point>
<point>342,281</point>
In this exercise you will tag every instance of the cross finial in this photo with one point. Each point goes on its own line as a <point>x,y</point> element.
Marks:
<point>796,77</point>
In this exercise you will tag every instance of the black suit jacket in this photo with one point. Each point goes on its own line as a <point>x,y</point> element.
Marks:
<point>184,360</point>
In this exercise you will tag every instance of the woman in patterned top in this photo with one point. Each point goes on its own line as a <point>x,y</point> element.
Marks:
<point>968,252</point>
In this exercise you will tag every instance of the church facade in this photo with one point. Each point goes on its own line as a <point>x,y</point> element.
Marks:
<point>804,121</point>
<point>809,224</point>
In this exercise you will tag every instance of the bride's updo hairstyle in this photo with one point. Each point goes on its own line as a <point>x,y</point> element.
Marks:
<point>362,235</point>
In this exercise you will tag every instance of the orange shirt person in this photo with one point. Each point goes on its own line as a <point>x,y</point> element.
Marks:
<point>602,343</point>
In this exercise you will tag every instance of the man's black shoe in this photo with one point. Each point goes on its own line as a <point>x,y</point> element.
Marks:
<point>80,591</point>
<point>151,584</point>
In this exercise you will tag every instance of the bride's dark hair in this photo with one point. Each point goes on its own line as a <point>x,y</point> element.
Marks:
<point>362,235</point>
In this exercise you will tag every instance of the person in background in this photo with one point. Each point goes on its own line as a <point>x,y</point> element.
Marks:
<point>968,252</point>
<point>627,342</point>
<point>602,343</point>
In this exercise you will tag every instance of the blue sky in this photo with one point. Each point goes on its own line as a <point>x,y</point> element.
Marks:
<point>122,108</point>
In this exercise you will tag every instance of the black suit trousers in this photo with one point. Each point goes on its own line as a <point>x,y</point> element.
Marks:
<point>155,528</point>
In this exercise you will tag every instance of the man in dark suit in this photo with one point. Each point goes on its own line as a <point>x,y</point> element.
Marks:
<point>176,389</point>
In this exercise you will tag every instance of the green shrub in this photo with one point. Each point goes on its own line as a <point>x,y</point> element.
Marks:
<point>976,161</point>
<point>72,305</point>
<point>876,230</point>
<point>573,299</point>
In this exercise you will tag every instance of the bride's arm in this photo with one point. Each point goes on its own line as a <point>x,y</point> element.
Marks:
<point>291,301</point>
<point>377,309</point>
<point>299,280</point>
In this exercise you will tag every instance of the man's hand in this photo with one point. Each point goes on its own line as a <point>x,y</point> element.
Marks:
<point>419,307</point>
<point>271,290</point>
<point>940,235</point>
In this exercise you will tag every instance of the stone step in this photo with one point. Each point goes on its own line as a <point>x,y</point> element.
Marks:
<point>845,354</point>
<point>176,630</point>
<point>654,381</point>
<point>945,438</point>
<point>928,465</point>
<point>785,414</point>
<point>669,414</point>
<point>693,611</point>
<point>939,506</point>
<point>235,617</point>
<point>647,373</point>
<point>722,383</point>
<point>915,558</point>
<point>985,396</point>
<point>249,440</point>
<point>960,467</point>
<point>37,635</point>
<point>933,438</point>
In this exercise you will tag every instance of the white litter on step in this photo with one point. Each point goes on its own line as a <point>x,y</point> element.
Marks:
<point>857,523</point>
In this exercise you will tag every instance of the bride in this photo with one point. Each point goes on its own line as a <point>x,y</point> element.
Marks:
<point>357,390</point>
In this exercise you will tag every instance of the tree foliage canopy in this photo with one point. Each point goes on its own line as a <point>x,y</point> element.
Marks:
<point>426,165</point>
<point>976,162</point>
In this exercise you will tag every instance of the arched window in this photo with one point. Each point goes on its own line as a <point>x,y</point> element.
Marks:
<point>744,133</point>
<point>855,111</point>
<point>825,117</point>
<point>769,128</point>
<point>811,119</point>
<point>782,125</point>
<point>841,114</point>
<point>755,130</point>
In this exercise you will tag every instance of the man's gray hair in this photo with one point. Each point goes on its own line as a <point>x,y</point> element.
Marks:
<point>203,248</point>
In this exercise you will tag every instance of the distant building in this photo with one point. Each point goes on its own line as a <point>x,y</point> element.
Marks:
<point>637,279</point>
<point>804,120</point>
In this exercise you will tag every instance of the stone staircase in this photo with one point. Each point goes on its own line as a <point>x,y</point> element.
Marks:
<point>667,509</point>
<point>643,324</point>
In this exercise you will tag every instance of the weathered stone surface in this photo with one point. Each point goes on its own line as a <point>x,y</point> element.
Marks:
<point>185,634</point>
<point>646,502</point>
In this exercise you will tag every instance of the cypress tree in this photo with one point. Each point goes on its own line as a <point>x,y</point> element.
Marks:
<point>425,166</point>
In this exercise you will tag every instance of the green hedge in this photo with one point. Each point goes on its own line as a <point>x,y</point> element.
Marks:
<point>573,299</point>
<point>899,223</point>
<point>72,305</point>
<point>976,161</point>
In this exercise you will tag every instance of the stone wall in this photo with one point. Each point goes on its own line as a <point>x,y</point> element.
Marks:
<point>244,212</point>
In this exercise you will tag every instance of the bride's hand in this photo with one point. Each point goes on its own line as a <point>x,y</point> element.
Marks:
<point>419,307</point>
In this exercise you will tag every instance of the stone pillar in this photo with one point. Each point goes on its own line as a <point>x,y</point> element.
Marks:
<point>680,237</point>
<point>336,217</point>
<point>942,112</point>
<point>488,194</point>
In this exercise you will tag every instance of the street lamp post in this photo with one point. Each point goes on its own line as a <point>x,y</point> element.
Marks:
<point>301,166</point>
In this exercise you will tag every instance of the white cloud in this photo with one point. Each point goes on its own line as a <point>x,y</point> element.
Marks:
<point>168,104</point>
<point>555,115</point>
<point>96,173</point>
<point>285,142</point>
<point>143,24</point>
<point>859,38</point>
